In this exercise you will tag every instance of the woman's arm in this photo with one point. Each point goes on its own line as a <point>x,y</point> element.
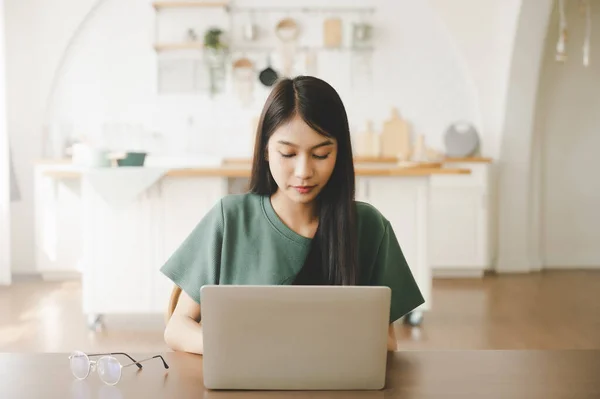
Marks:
<point>392,341</point>
<point>184,332</point>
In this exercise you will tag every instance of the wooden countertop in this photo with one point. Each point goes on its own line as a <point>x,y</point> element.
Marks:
<point>241,172</point>
<point>411,374</point>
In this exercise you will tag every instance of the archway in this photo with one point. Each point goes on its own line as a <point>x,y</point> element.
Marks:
<point>518,180</point>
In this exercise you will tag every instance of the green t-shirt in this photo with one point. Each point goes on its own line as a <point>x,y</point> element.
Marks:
<point>241,240</point>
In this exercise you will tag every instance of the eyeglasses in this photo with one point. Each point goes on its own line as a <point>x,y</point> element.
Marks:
<point>108,367</point>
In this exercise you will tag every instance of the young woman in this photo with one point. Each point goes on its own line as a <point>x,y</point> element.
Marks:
<point>299,223</point>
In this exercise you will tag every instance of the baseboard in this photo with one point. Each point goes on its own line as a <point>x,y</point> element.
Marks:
<point>571,267</point>
<point>60,276</point>
<point>26,276</point>
<point>457,273</point>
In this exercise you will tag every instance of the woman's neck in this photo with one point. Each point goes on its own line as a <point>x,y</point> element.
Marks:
<point>301,218</point>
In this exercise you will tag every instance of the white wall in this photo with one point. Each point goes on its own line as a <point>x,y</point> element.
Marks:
<point>569,126</point>
<point>35,41</point>
<point>110,77</point>
<point>5,247</point>
<point>483,34</point>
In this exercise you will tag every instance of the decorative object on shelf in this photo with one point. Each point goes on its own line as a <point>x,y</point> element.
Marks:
<point>287,31</point>
<point>587,10</point>
<point>434,155</point>
<point>191,35</point>
<point>419,153</point>
<point>310,62</point>
<point>243,79</point>
<point>332,32</point>
<point>250,29</point>
<point>561,50</point>
<point>395,138</point>
<point>268,76</point>
<point>461,140</point>
<point>215,52</point>
<point>361,33</point>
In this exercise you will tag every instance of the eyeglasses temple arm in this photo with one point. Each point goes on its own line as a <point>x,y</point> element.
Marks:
<point>119,353</point>
<point>149,358</point>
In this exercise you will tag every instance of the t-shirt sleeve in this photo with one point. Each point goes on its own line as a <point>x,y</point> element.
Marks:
<point>391,270</point>
<point>197,260</point>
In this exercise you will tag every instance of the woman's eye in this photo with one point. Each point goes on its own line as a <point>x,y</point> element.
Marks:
<point>320,156</point>
<point>287,155</point>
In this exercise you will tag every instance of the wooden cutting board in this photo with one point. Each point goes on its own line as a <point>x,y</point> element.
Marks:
<point>395,138</point>
<point>367,142</point>
<point>332,32</point>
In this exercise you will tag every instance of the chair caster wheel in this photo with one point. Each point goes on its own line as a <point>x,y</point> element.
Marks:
<point>95,322</point>
<point>414,319</point>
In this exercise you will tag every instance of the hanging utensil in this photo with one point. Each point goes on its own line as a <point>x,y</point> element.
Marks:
<point>268,76</point>
<point>243,73</point>
<point>250,29</point>
<point>287,31</point>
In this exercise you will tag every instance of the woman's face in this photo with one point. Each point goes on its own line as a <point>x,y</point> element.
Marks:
<point>301,160</point>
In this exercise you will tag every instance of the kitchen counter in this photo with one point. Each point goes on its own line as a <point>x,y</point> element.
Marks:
<point>117,226</point>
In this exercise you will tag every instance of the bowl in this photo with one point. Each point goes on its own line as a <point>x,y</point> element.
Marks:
<point>132,159</point>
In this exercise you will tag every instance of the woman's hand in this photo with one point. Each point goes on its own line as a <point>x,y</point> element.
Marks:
<point>184,331</point>
<point>392,341</point>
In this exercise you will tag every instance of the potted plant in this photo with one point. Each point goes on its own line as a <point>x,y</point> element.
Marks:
<point>215,56</point>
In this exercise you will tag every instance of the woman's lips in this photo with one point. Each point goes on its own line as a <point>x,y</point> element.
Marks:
<point>304,189</point>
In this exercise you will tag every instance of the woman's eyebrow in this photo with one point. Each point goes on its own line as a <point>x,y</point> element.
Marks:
<point>324,143</point>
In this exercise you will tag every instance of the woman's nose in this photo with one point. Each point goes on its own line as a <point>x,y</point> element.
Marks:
<point>303,168</point>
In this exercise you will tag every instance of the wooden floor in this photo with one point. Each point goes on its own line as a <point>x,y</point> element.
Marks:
<point>548,310</point>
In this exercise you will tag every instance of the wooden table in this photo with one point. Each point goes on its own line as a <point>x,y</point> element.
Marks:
<point>435,374</point>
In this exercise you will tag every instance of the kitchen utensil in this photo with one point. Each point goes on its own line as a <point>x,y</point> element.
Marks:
<point>250,29</point>
<point>268,76</point>
<point>287,31</point>
<point>332,32</point>
<point>87,156</point>
<point>461,139</point>
<point>243,78</point>
<point>361,32</point>
<point>395,139</point>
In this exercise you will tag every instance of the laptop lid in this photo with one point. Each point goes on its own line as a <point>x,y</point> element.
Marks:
<point>295,337</point>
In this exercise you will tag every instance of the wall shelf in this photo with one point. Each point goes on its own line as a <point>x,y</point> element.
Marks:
<point>187,4</point>
<point>179,46</point>
<point>161,47</point>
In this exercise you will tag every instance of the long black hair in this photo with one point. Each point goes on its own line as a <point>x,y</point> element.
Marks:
<point>333,258</point>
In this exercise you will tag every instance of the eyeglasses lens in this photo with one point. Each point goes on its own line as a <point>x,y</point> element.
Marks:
<point>109,369</point>
<point>80,365</point>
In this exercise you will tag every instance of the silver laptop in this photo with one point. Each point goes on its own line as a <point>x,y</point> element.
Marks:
<point>295,337</point>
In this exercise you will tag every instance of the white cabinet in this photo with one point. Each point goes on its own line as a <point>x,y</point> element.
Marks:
<point>126,246</point>
<point>58,212</point>
<point>460,221</point>
<point>403,200</point>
